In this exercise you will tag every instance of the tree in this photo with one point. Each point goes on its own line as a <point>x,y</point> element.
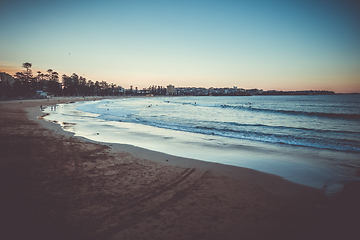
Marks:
<point>28,71</point>
<point>82,86</point>
<point>104,88</point>
<point>25,84</point>
<point>55,76</point>
<point>49,72</point>
<point>74,84</point>
<point>97,87</point>
<point>71,84</point>
<point>41,82</point>
<point>28,82</point>
<point>91,87</point>
<point>53,85</point>
<point>66,82</point>
<point>20,89</point>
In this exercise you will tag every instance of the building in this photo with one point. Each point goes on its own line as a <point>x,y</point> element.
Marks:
<point>41,94</point>
<point>120,90</point>
<point>5,77</point>
<point>170,90</point>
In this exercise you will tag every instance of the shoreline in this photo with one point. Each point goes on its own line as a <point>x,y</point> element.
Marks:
<point>301,165</point>
<point>251,176</point>
<point>82,189</point>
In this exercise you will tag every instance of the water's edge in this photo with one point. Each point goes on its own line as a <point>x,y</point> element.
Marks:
<point>251,176</point>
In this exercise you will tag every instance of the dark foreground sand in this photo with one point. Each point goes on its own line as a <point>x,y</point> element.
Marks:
<point>55,186</point>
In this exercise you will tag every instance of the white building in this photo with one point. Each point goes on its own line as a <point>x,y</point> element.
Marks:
<point>170,90</point>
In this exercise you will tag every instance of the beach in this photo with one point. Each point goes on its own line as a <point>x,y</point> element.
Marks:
<point>307,140</point>
<point>57,186</point>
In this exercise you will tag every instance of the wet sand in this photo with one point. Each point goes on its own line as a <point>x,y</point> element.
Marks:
<point>57,186</point>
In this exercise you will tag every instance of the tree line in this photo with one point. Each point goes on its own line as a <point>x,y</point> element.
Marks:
<point>26,84</point>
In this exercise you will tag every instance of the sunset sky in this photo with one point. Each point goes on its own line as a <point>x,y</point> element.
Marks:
<point>273,44</point>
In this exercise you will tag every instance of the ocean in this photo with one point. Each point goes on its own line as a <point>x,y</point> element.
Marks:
<point>311,140</point>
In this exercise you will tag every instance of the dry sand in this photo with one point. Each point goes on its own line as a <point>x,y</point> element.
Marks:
<point>56,186</point>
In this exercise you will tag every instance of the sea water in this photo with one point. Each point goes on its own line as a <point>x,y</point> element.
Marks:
<point>311,140</point>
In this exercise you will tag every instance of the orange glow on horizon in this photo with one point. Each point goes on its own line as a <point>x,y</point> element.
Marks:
<point>350,84</point>
<point>9,70</point>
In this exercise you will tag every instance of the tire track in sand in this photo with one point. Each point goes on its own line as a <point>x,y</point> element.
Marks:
<point>185,174</point>
<point>128,214</point>
<point>179,195</point>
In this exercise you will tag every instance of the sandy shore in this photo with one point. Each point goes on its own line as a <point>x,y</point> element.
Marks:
<point>56,186</point>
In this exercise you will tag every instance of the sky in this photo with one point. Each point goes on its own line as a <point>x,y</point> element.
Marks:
<point>269,45</point>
